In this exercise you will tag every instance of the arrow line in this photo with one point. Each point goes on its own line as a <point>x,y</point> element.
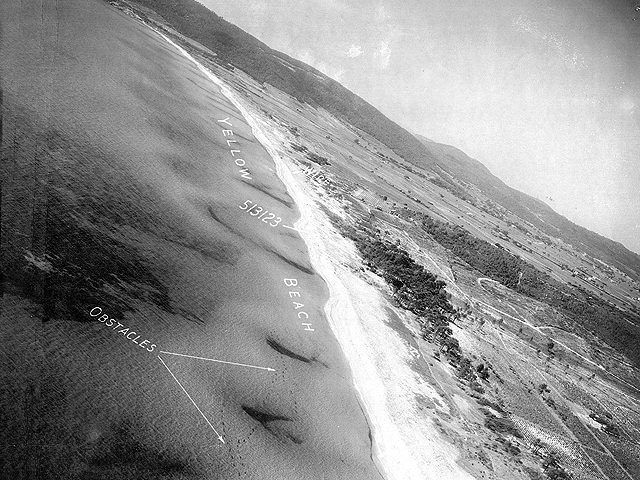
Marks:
<point>295,229</point>
<point>220,361</point>
<point>194,403</point>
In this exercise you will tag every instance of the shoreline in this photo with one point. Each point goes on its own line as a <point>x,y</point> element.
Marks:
<point>351,306</point>
<point>285,175</point>
<point>379,361</point>
<point>355,312</point>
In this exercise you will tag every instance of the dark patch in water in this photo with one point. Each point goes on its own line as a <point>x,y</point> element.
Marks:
<point>296,265</point>
<point>197,84</point>
<point>294,439</point>
<point>183,168</point>
<point>66,199</point>
<point>217,218</point>
<point>263,417</point>
<point>217,251</point>
<point>262,188</point>
<point>181,130</point>
<point>142,50</point>
<point>324,364</point>
<point>177,130</point>
<point>285,351</point>
<point>82,231</point>
<point>124,450</point>
<point>290,233</point>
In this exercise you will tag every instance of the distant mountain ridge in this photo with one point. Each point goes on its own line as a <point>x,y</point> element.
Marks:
<point>236,48</point>
<point>538,213</point>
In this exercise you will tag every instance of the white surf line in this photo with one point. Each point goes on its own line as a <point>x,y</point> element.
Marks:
<point>219,361</point>
<point>280,170</point>
<point>224,89</point>
<point>294,228</point>
<point>194,403</point>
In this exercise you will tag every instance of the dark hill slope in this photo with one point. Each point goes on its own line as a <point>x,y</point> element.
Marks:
<point>239,49</point>
<point>236,48</point>
<point>463,167</point>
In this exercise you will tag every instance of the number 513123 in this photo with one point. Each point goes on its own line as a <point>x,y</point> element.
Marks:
<point>260,213</point>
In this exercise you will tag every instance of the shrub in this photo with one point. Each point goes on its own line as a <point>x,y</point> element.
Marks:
<point>501,425</point>
<point>488,403</point>
<point>314,157</point>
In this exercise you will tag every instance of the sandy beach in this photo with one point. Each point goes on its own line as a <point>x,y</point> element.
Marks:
<point>407,445</point>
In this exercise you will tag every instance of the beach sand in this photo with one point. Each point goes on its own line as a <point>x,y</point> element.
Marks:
<point>407,445</point>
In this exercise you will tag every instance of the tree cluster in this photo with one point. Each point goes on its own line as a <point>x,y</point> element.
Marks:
<point>596,315</point>
<point>414,288</point>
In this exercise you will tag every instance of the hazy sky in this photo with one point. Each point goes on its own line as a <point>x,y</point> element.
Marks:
<point>545,93</point>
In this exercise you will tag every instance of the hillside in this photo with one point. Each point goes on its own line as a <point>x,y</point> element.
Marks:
<point>530,209</point>
<point>236,48</point>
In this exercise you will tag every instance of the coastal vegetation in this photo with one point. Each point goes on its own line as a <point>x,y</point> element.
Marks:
<point>319,159</point>
<point>415,288</point>
<point>613,326</point>
<point>419,291</point>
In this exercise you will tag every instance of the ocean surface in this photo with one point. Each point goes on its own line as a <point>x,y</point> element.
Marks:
<point>121,203</point>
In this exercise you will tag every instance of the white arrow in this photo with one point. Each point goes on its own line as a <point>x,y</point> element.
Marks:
<point>220,361</point>
<point>296,229</point>
<point>194,403</point>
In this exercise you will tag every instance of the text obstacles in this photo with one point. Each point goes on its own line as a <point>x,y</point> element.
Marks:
<point>121,329</point>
